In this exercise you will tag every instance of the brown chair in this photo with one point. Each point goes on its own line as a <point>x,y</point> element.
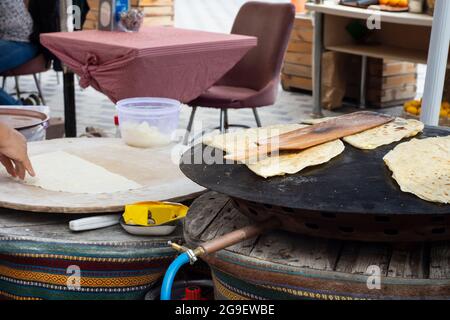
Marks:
<point>254,81</point>
<point>33,67</point>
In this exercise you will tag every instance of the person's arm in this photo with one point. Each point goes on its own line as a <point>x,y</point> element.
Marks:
<point>13,152</point>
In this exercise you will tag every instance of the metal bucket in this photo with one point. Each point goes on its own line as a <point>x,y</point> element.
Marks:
<point>32,124</point>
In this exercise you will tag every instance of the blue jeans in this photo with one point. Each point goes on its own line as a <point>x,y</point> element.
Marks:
<point>12,55</point>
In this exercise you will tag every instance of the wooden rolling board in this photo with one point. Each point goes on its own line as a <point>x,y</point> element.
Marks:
<point>152,168</point>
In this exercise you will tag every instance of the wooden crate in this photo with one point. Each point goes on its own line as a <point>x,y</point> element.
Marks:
<point>157,12</point>
<point>391,97</point>
<point>390,67</point>
<point>389,82</point>
<point>297,67</point>
<point>91,22</point>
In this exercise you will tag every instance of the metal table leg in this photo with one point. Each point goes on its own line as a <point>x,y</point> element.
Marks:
<point>362,93</point>
<point>437,62</point>
<point>69,105</point>
<point>317,64</point>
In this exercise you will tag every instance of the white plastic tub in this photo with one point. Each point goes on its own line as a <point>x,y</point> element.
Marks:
<point>148,122</point>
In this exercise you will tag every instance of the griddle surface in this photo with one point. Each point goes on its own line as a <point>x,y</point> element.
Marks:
<point>357,181</point>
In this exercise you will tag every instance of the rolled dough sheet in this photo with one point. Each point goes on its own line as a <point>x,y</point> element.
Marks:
<point>422,167</point>
<point>62,171</point>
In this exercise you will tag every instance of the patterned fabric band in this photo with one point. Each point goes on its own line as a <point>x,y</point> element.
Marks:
<point>33,270</point>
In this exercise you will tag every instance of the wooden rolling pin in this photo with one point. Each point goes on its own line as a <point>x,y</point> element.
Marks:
<point>314,135</point>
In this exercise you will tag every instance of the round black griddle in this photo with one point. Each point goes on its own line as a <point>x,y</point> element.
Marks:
<point>356,187</point>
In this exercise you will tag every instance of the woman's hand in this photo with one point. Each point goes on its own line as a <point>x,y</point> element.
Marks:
<point>13,152</point>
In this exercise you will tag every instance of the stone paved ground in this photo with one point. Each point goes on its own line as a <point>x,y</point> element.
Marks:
<point>94,109</point>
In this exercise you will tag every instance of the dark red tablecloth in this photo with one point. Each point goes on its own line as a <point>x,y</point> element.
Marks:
<point>155,62</point>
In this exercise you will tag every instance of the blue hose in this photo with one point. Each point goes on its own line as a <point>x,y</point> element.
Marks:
<point>166,289</point>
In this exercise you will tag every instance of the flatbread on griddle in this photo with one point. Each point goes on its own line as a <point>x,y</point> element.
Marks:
<point>386,134</point>
<point>294,162</point>
<point>275,165</point>
<point>247,138</point>
<point>422,167</point>
<point>317,120</point>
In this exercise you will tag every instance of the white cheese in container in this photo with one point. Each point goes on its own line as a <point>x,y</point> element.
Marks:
<point>142,135</point>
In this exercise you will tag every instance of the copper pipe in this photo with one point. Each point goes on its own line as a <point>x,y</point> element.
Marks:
<point>236,236</point>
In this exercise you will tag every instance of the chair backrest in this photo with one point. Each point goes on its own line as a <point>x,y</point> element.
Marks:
<point>272,24</point>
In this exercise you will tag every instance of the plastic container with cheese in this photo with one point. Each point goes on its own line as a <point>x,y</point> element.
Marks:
<point>148,122</point>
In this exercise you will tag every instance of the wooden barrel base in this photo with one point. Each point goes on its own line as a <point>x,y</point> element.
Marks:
<point>40,258</point>
<point>360,227</point>
<point>283,265</point>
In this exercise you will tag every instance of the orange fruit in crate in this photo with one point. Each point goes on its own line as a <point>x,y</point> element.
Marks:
<point>384,2</point>
<point>403,3</point>
<point>412,110</point>
<point>394,3</point>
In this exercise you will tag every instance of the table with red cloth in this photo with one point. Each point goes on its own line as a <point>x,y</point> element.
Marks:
<point>154,62</point>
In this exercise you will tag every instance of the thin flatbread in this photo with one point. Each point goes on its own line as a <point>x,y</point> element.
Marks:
<point>386,134</point>
<point>64,172</point>
<point>422,167</point>
<point>316,120</point>
<point>243,139</point>
<point>294,162</point>
<point>276,165</point>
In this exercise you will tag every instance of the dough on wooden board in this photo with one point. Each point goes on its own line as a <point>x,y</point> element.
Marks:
<point>62,171</point>
<point>422,167</point>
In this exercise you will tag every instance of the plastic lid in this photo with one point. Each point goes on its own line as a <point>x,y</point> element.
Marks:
<point>144,106</point>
